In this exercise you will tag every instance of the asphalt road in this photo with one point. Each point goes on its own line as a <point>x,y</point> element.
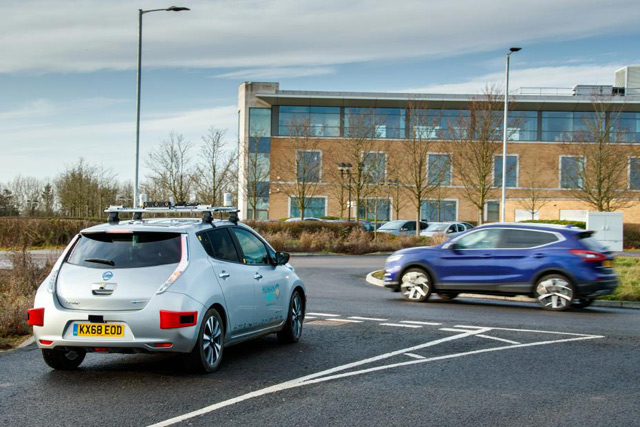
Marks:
<point>366,358</point>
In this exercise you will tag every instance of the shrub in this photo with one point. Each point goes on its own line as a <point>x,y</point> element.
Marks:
<point>579,224</point>
<point>39,232</point>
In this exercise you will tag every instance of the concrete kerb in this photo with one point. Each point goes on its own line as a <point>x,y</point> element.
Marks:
<point>598,303</point>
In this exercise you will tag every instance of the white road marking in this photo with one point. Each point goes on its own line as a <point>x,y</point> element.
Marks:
<point>457,330</point>
<point>415,322</point>
<point>324,375</point>
<point>309,317</point>
<point>415,356</point>
<point>532,330</point>
<point>343,320</point>
<point>400,325</point>
<point>367,318</point>
<point>498,339</point>
<point>324,314</point>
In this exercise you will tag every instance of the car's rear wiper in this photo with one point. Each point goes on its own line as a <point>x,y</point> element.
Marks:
<point>100,261</point>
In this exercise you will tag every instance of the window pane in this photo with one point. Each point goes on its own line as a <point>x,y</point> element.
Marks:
<point>493,211</point>
<point>313,207</point>
<point>316,121</point>
<point>259,122</point>
<point>526,238</point>
<point>512,171</point>
<point>374,122</point>
<point>570,171</point>
<point>482,239</point>
<point>374,166</point>
<point>523,126</point>
<point>439,169</point>
<point>254,251</point>
<point>634,173</point>
<point>218,244</point>
<point>375,208</point>
<point>626,127</point>
<point>309,166</point>
<point>436,211</point>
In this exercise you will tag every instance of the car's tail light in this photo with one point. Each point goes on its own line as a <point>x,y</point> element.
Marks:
<point>182,266</point>
<point>163,345</point>
<point>100,349</point>
<point>53,277</point>
<point>177,319</point>
<point>46,342</point>
<point>35,316</point>
<point>589,255</point>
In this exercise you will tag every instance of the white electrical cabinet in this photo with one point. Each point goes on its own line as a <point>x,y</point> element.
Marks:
<point>607,227</point>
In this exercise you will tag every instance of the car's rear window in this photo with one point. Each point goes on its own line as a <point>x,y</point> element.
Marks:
<point>126,250</point>
<point>526,238</point>
<point>591,243</point>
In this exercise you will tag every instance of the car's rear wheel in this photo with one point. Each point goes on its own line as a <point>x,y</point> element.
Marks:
<point>554,292</point>
<point>448,297</point>
<point>206,355</point>
<point>292,330</point>
<point>415,285</point>
<point>63,360</point>
<point>582,302</point>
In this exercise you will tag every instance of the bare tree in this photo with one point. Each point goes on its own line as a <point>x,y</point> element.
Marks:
<point>171,169</point>
<point>535,198</point>
<point>257,177</point>
<point>26,194</point>
<point>300,171</point>
<point>599,176</point>
<point>216,172</point>
<point>474,138</point>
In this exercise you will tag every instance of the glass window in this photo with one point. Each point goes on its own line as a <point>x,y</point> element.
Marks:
<point>374,122</point>
<point>309,166</point>
<point>571,171</point>
<point>374,165</point>
<point>439,169</point>
<point>489,238</point>
<point>514,239</point>
<point>254,251</point>
<point>259,122</point>
<point>569,126</point>
<point>523,126</point>
<point>130,250</point>
<point>512,171</point>
<point>313,207</point>
<point>626,127</point>
<point>219,244</point>
<point>492,213</point>
<point>375,208</point>
<point>634,173</point>
<point>439,210</point>
<point>316,121</point>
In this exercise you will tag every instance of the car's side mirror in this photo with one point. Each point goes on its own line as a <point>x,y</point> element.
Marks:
<point>451,245</point>
<point>282,258</point>
<point>449,231</point>
<point>403,229</point>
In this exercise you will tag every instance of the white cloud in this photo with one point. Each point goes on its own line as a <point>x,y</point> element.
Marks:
<point>277,73</point>
<point>89,35</point>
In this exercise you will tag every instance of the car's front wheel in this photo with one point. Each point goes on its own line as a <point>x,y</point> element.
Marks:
<point>63,360</point>
<point>207,353</point>
<point>415,285</point>
<point>292,330</point>
<point>554,292</point>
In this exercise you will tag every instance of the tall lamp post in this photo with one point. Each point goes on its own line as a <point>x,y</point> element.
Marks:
<point>139,77</point>
<point>504,134</point>
<point>345,170</point>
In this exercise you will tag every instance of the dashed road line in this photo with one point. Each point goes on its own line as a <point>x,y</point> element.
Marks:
<point>498,339</point>
<point>309,317</point>
<point>400,325</point>
<point>334,319</point>
<point>457,330</point>
<point>415,356</point>
<point>416,322</point>
<point>324,314</point>
<point>368,318</point>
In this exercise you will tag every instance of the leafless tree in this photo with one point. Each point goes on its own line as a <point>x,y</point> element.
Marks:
<point>535,197</point>
<point>216,172</point>
<point>257,176</point>
<point>600,176</point>
<point>170,166</point>
<point>300,171</point>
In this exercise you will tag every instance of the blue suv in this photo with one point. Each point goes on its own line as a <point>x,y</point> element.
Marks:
<point>560,266</point>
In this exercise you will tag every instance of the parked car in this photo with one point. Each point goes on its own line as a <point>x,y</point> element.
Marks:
<point>559,266</point>
<point>187,286</point>
<point>447,229</point>
<point>401,227</point>
<point>306,218</point>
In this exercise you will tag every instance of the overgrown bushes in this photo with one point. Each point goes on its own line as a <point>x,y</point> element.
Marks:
<point>39,232</point>
<point>579,224</point>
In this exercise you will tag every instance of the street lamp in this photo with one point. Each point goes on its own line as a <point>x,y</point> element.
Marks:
<point>345,169</point>
<point>504,134</point>
<point>139,76</point>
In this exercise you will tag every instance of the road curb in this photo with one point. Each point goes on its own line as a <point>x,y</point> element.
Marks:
<point>598,303</point>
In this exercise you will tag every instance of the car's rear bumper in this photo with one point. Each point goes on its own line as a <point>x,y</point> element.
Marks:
<point>597,288</point>
<point>141,327</point>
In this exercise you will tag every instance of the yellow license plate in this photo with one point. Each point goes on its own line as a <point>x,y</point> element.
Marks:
<point>607,263</point>
<point>97,330</point>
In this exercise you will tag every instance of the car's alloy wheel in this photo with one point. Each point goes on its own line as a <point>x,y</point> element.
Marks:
<point>415,285</point>
<point>292,330</point>
<point>207,353</point>
<point>63,360</point>
<point>554,292</point>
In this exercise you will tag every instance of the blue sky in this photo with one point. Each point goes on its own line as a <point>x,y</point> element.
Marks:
<point>67,74</point>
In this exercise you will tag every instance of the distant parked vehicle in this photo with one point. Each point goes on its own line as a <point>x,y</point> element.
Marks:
<point>402,227</point>
<point>447,229</point>
<point>305,219</point>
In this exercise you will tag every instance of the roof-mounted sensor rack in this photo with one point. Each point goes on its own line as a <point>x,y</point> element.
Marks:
<point>168,207</point>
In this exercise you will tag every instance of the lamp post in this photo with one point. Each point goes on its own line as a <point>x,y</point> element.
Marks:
<point>139,78</point>
<point>504,134</point>
<point>345,169</point>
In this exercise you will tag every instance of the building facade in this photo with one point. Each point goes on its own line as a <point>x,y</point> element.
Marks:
<point>349,154</point>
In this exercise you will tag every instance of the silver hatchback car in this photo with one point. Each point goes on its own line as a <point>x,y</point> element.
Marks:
<point>191,286</point>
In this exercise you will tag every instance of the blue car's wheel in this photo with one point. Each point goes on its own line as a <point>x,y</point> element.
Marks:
<point>554,292</point>
<point>415,285</point>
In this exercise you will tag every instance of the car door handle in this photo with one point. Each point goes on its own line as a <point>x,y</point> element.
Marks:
<point>224,275</point>
<point>257,276</point>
